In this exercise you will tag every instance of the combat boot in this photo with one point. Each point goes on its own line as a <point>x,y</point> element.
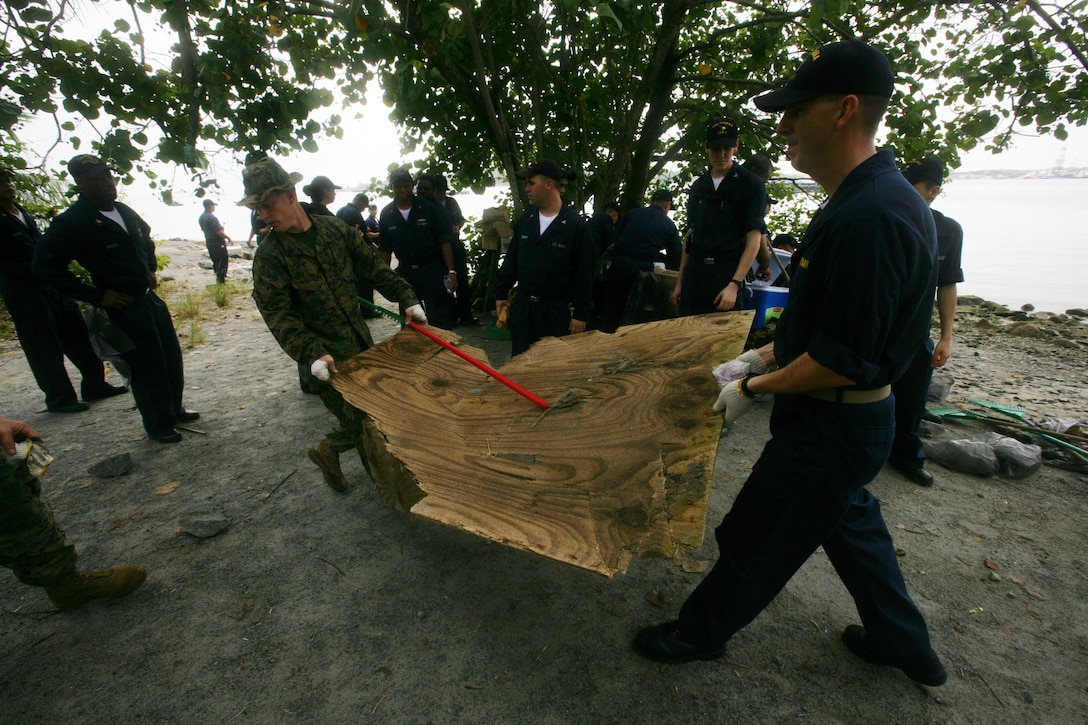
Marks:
<point>78,588</point>
<point>329,463</point>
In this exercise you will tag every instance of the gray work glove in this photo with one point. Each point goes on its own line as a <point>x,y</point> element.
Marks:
<point>733,402</point>
<point>756,366</point>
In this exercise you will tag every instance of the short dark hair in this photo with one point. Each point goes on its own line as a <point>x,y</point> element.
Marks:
<point>871,111</point>
<point>760,165</point>
<point>208,203</point>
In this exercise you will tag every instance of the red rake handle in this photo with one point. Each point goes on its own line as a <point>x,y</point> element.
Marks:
<point>486,368</point>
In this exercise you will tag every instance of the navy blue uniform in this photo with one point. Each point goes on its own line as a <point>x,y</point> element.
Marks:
<point>49,326</point>
<point>860,304</point>
<point>417,243</point>
<point>217,246</point>
<point>553,271</point>
<point>646,236</point>
<point>460,260</point>
<point>912,389</point>
<point>720,220</point>
<point>123,261</point>
<point>350,215</point>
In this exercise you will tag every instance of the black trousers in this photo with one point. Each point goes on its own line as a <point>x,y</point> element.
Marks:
<point>531,320</point>
<point>464,292</point>
<point>702,283</point>
<point>911,392</point>
<point>427,283</point>
<point>616,289</point>
<point>217,250</point>
<point>50,327</point>
<point>157,375</point>
<point>807,490</point>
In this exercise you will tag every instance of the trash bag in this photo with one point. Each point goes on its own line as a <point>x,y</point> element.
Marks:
<point>108,340</point>
<point>939,386</point>
<point>1014,459</point>
<point>964,455</point>
<point>727,372</point>
<point>987,454</point>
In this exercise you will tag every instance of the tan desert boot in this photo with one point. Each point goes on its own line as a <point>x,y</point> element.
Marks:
<point>329,463</point>
<point>79,588</point>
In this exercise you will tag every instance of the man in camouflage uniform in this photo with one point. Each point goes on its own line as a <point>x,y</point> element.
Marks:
<point>34,547</point>
<point>303,284</point>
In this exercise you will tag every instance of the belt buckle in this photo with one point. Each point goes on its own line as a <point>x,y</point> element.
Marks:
<point>708,260</point>
<point>534,298</point>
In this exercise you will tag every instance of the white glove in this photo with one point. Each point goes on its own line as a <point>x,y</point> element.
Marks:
<point>733,402</point>
<point>416,314</point>
<point>756,366</point>
<point>320,370</point>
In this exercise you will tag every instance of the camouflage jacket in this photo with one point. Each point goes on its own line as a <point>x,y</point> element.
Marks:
<point>306,292</point>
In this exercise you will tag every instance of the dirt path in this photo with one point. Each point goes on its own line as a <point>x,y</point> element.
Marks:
<point>317,607</point>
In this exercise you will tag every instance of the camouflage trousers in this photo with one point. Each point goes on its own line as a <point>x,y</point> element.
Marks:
<point>395,486</point>
<point>348,433</point>
<point>31,543</point>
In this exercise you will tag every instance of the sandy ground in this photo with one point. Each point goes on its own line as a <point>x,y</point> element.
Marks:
<point>326,608</point>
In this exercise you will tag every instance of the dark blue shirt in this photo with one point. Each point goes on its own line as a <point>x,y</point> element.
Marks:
<point>861,295</point>
<point>351,216</point>
<point>649,235</point>
<point>949,250</point>
<point>419,239</point>
<point>721,218</point>
<point>556,265</point>
<point>17,243</point>
<point>211,228</point>
<point>119,260</point>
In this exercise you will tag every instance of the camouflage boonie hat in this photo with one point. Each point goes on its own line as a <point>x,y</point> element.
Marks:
<point>263,177</point>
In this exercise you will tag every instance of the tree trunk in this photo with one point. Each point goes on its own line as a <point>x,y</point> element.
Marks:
<point>620,465</point>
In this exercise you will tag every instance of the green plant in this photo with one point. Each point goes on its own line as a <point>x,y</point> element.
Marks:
<point>189,307</point>
<point>196,335</point>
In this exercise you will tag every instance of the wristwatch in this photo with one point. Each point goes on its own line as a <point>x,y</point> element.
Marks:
<point>738,282</point>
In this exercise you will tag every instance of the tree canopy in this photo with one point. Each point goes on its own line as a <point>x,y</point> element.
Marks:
<point>618,91</point>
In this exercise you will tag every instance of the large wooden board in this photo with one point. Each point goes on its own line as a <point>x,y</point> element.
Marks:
<point>625,471</point>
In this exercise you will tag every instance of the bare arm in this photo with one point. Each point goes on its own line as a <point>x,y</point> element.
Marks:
<point>727,298</point>
<point>947,298</point>
<point>800,376</point>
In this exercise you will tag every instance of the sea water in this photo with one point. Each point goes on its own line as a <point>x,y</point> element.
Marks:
<point>1024,240</point>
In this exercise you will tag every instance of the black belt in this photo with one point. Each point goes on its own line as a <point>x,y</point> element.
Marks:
<point>422,264</point>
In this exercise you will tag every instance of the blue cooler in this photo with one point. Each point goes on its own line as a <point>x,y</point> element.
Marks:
<point>767,301</point>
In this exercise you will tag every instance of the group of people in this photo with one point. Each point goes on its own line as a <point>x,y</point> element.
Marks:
<point>855,331</point>
<point>114,246</point>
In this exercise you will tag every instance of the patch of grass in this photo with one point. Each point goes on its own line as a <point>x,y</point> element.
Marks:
<point>189,307</point>
<point>196,335</point>
<point>222,294</point>
<point>7,327</point>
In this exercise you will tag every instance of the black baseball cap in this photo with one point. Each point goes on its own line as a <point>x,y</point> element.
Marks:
<point>721,132</point>
<point>87,165</point>
<point>850,66</point>
<point>926,169</point>
<point>400,176</point>
<point>545,167</point>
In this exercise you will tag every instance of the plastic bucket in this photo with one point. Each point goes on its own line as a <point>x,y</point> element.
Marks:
<point>767,302</point>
